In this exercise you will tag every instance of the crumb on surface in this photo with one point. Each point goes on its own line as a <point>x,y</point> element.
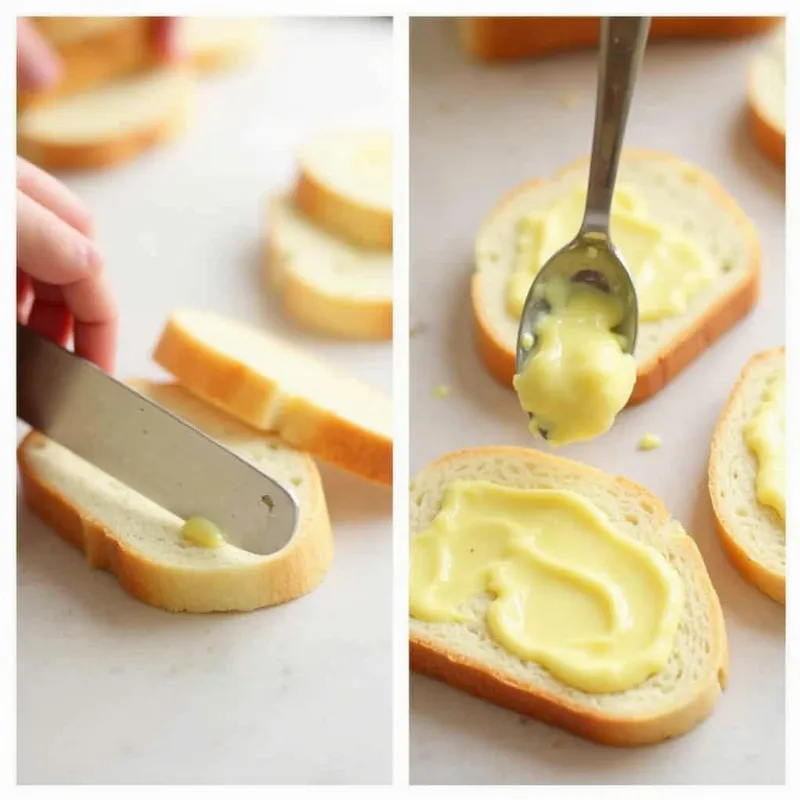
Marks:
<point>650,441</point>
<point>570,99</point>
<point>441,391</point>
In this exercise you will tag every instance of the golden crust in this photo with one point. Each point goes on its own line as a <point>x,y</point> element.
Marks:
<point>359,223</point>
<point>771,582</point>
<point>290,573</point>
<point>497,39</point>
<point>653,375</point>
<point>346,317</point>
<point>769,138</point>
<point>109,54</point>
<point>246,394</point>
<point>475,677</point>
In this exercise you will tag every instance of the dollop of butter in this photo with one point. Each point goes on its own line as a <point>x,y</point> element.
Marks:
<point>201,532</point>
<point>579,377</point>
<point>554,581</point>
<point>668,268</point>
<point>765,435</point>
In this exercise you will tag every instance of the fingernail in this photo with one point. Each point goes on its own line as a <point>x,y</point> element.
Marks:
<point>45,74</point>
<point>92,257</point>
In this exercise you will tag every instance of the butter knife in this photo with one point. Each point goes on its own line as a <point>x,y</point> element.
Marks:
<point>147,448</point>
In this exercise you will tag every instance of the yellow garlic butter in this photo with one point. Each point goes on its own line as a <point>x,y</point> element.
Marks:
<point>555,583</point>
<point>765,435</point>
<point>579,377</point>
<point>668,268</point>
<point>201,532</point>
<point>650,441</point>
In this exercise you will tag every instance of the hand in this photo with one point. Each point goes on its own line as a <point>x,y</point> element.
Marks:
<point>38,65</point>
<point>62,290</point>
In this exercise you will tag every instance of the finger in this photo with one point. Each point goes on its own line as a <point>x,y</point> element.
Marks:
<point>96,320</point>
<point>49,315</point>
<point>167,39</point>
<point>51,193</point>
<point>38,67</point>
<point>50,250</point>
<point>24,297</point>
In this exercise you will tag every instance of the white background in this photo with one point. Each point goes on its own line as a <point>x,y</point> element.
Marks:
<point>477,132</point>
<point>113,691</point>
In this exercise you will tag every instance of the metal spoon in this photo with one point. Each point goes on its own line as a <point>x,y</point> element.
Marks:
<point>591,256</point>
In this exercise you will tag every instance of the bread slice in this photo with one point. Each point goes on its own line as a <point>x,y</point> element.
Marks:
<point>345,185</point>
<point>217,42</point>
<point>753,535</point>
<point>680,195</point>
<point>93,51</point>
<point>667,704</point>
<point>325,282</point>
<point>268,384</point>
<point>495,39</point>
<point>766,99</point>
<point>140,542</point>
<point>109,124</point>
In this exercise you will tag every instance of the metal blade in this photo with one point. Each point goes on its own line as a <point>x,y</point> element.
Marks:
<point>147,448</point>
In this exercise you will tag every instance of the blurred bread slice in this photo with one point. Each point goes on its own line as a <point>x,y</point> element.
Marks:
<point>499,39</point>
<point>141,543</point>
<point>108,124</point>
<point>345,185</point>
<point>213,43</point>
<point>766,98</point>
<point>93,51</point>
<point>327,283</point>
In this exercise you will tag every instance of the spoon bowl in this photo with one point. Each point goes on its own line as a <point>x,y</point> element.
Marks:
<point>589,258</point>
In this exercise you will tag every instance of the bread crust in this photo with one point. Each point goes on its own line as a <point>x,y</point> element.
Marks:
<point>498,39</point>
<point>480,680</point>
<point>112,151</point>
<point>288,574</point>
<point>333,315</point>
<point>653,375</point>
<point>119,51</point>
<point>769,138</point>
<point>770,582</point>
<point>362,224</point>
<point>249,396</point>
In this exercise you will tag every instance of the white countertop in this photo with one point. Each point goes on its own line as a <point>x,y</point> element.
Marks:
<point>476,132</point>
<point>113,691</point>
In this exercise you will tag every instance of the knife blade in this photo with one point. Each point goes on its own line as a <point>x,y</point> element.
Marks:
<point>147,448</point>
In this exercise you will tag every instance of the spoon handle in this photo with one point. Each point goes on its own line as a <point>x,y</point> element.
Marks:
<point>622,43</point>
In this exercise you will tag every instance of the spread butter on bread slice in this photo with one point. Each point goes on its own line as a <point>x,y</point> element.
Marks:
<point>141,543</point>
<point>324,281</point>
<point>345,185</point>
<point>213,43</point>
<point>753,534</point>
<point>273,386</point>
<point>497,39</point>
<point>667,704</point>
<point>676,194</point>
<point>766,98</point>
<point>107,124</point>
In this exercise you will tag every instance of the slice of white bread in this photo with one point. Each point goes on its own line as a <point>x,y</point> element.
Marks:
<point>497,39</point>
<point>754,536</point>
<point>677,193</point>
<point>325,282</point>
<point>140,542</point>
<point>667,704</point>
<point>766,98</point>
<point>93,51</point>
<point>345,185</point>
<point>218,42</point>
<point>108,124</point>
<point>273,386</point>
